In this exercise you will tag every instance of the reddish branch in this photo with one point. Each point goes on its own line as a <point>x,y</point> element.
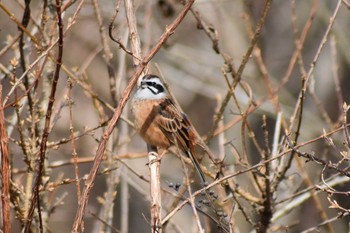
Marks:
<point>77,225</point>
<point>43,146</point>
<point>5,171</point>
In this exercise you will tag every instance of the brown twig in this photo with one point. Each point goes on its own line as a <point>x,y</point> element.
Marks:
<point>110,32</point>
<point>135,40</point>
<point>266,212</point>
<point>112,179</point>
<point>18,23</point>
<point>303,172</point>
<point>346,3</point>
<point>314,158</point>
<point>42,55</point>
<point>43,145</point>
<point>327,222</point>
<point>336,79</point>
<point>155,191</point>
<point>25,21</point>
<point>308,76</point>
<point>300,44</point>
<point>106,223</point>
<point>72,136</point>
<point>220,181</point>
<point>5,171</point>
<point>191,198</point>
<point>263,163</point>
<point>9,45</point>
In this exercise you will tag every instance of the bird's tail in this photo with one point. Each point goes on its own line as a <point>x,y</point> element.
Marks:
<point>222,223</point>
<point>197,167</point>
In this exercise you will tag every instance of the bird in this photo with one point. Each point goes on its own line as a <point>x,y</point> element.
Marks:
<point>160,122</point>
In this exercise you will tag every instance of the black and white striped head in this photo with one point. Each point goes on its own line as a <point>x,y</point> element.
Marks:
<point>150,87</point>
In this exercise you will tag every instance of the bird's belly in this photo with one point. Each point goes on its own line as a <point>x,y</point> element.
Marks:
<point>144,123</point>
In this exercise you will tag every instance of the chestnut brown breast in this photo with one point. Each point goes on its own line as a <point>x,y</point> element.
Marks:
<point>145,114</point>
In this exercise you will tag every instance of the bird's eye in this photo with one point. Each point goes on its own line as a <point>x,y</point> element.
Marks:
<point>154,87</point>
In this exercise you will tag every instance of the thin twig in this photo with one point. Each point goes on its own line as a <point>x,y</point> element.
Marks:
<point>191,198</point>
<point>335,67</point>
<point>71,127</point>
<point>110,32</point>
<point>43,145</point>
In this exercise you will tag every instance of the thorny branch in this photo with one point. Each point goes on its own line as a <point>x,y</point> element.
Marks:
<point>43,145</point>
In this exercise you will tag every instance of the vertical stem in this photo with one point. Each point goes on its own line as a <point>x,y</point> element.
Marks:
<point>71,127</point>
<point>124,196</point>
<point>134,35</point>
<point>5,171</point>
<point>154,167</point>
<point>43,146</point>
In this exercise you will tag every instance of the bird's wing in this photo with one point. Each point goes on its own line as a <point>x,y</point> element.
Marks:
<point>174,124</point>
